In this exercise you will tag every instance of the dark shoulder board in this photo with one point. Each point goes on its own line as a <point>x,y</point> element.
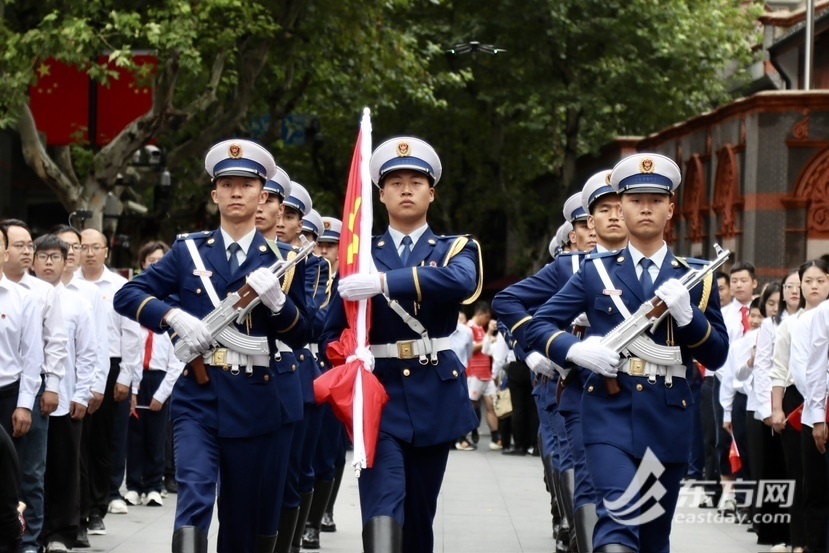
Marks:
<point>196,236</point>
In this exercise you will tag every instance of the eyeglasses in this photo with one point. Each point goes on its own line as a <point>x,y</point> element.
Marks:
<point>76,247</point>
<point>95,248</point>
<point>23,247</point>
<point>53,257</point>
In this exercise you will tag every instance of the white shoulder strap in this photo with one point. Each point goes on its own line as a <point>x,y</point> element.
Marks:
<point>202,272</point>
<point>608,284</point>
<point>574,259</point>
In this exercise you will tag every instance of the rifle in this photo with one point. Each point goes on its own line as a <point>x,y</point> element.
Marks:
<point>236,306</point>
<point>650,314</point>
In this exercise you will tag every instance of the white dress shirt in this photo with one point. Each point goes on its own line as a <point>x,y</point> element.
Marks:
<point>816,374</point>
<point>21,341</point>
<point>397,238</point>
<point>763,363</point>
<point>461,342</point>
<point>742,350</point>
<point>163,358</point>
<point>800,356</point>
<point>81,350</point>
<point>124,341</point>
<point>658,258</point>
<point>244,244</point>
<point>100,321</point>
<point>54,335</point>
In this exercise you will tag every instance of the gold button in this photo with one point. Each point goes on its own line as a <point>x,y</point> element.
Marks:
<point>262,248</point>
<point>381,243</point>
<point>590,388</point>
<point>620,259</point>
<point>684,403</point>
<point>406,372</point>
<point>638,387</point>
<point>267,377</point>
<point>454,373</point>
<point>322,364</point>
<point>198,290</point>
<point>302,357</point>
<point>226,368</point>
<point>293,367</point>
<point>610,310</point>
<point>211,241</point>
<point>186,372</point>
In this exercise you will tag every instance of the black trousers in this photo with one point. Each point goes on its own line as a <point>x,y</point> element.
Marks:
<point>815,492</point>
<point>62,504</point>
<point>9,480</point>
<point>524,412</point>
<point>147,438</point>
<point>708,421</point>
<point>790,439</point>
<point>96,450</point>
<point>766,452</point>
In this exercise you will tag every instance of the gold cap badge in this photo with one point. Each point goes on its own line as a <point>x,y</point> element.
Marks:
<point>235,151</point>
<point>326,225</point>
<point>647,165</point>
<point>607,178</point>
<point>403,149</point>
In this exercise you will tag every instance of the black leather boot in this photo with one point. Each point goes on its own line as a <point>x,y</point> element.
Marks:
<point>322,492</point>
<point>585,522</point>
<point>327,524</point>
<point>265,544</point>
<point>189,539</point>
<point>567,481</point>
<point>285,536</point>
<point>305,500</point>
<point>382,535</point>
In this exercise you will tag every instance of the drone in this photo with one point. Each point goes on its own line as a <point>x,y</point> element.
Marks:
<point>474,47</point>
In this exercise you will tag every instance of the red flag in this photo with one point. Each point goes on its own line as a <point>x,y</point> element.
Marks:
<point>357,397</point>
<point>125,98</point>
<point>734,457</point>
<point>60,102</point>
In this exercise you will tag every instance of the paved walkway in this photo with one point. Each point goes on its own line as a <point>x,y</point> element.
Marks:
<point>490,503</point>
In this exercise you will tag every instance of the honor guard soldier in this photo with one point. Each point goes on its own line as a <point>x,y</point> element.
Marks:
<point>648,421</point>
<point>514,307</point>
<point>430,276</point>
<point>329,457</point>
<point>601,202</point>
<point>227,426</point>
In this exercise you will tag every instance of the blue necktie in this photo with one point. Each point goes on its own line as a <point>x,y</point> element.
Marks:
<point>233,248</point>
<point>407,244</point>
<point>645,278</point>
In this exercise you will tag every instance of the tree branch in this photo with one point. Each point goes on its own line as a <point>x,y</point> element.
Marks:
<point>63,159</point>
<point>44,166</point>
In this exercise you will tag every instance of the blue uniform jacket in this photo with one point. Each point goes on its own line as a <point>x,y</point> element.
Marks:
<point>240,405</point>
<point>316,280</point>
<point>644,414</point>
<point>429,404</point>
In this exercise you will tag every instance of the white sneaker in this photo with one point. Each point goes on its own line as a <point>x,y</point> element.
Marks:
<point>56,547</point>
<point>118,507</point>
<point>133,498</point>
<point>154,499</point>
<point>780,548</point>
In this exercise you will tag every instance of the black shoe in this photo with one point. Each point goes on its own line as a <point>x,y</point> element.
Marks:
<point>95,526</point>
<point>328,524</point>
<point>512,450</point>
<point>82,541</point>
<point>475,436</point>
<point>171,485</point>
<point>311,538</point>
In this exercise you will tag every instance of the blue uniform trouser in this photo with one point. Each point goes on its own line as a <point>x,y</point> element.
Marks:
<point>404,484</point>
<point>245,467</point>
<point>562,453</point>
<point>329,444</point>
<point>312,414</point>
<point>584,493</point>
<point>270,511</point>
<point>32,452</point>
<point>292,491</point>
<point>696,461</point>
<point>614,474</point>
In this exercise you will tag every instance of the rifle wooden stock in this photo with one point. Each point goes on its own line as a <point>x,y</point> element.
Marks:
<point>200,370</point>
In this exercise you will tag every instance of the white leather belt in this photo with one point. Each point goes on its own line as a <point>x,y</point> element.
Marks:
<point>314,349</point>
<point>639,367</point>
<point>222,357</point>
<point>412,349</point>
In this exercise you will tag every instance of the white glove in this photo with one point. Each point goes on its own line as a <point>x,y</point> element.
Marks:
<point>678,300</point>
<point>360,286</point>
<point>267,286</point>
<point>591,354</point>
<point>192,331</point>
<point>582,321</point>
<point>540,365</point>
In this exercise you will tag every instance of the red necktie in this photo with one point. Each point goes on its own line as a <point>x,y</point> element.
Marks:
<point>148,350</point>
<point>746,324</point>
